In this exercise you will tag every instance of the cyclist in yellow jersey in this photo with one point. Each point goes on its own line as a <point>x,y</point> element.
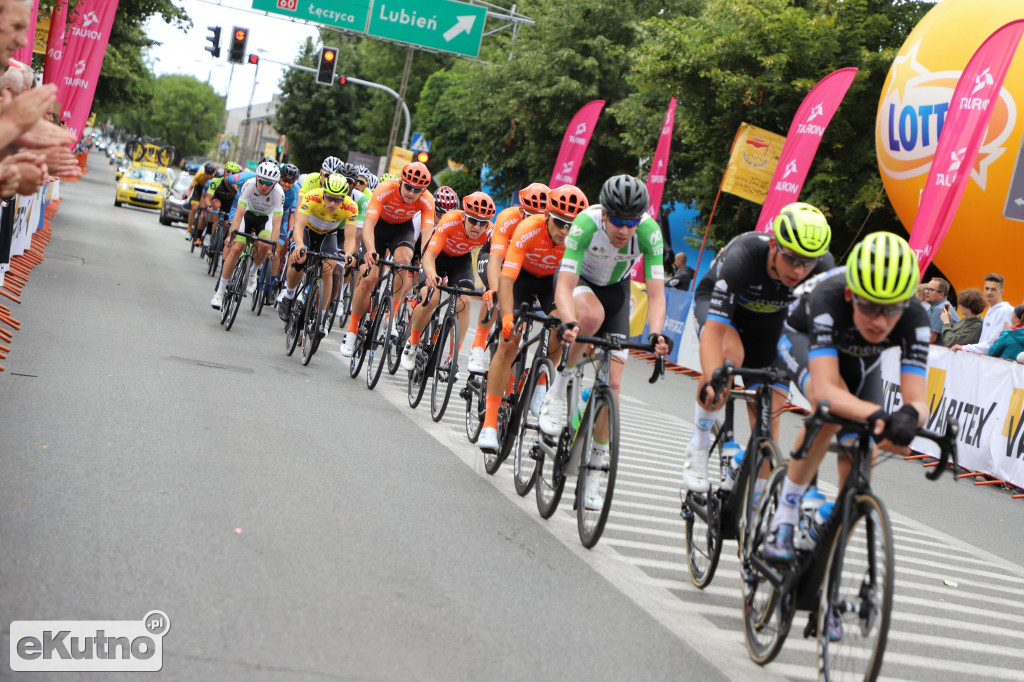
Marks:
<point>321,212</point>
<point>196,190</point>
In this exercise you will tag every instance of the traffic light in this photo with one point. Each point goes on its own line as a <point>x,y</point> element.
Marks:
<point>254,59</point>
<point>214,47</point>
<point>423,157</point>
<point>239,37</point>
<point>328,64</point>
<point>342,80</point>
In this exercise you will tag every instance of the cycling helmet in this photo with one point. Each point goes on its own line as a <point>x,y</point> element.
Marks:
<point>362,172</point>
<point>802,229</point>
<point>269,159</point>
<point>336,185</point>
<point>567,201</point>
<point>388,176</point>
<point>478,205</point>
<point>348,170</point>
<point>268,171</point>
<point>209,168</point>
<point>883,269</point>
<point>331,164</point>
<point>219,173</point>
<point>416,174</point>
<point>289,171</point>
<point>371,180</point>
<point>446,199</point>
<point>534,197</point>
<point>624,196</point>
<point>232,167</point>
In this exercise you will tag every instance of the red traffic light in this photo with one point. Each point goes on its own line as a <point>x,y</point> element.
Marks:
<point>423,157</point>
<point>329,55</point>
<point>240,34</point>
<point>342,80</point>
<point>254,59</point>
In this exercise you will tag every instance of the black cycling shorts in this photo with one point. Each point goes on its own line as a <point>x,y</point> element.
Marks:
<point>529,286</point>
<point>614,299</point>
<point>759,334</point>
<point>458,270</point>
<point>391,237</point>
<point>863,375</point>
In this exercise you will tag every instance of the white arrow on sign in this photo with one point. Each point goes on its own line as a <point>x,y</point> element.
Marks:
<point>463,25</point>
<point>1019,201</point>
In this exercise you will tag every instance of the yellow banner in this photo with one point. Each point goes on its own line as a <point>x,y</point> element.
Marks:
<point>755,153</point>
<point>399,157</point>
<point>637,308</point>
<point>42,32</point>
<point>270,149</point>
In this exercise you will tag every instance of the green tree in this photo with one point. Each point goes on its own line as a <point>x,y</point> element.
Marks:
<point>182,111</point>
<point>730,61</point>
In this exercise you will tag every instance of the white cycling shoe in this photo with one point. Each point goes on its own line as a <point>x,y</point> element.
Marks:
<point>348,344</point>
<point>488,439</point>
<point>695,473</point>
<point>552,415</point>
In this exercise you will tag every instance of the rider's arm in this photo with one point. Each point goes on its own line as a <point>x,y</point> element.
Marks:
<point>276,230</point>
<point>656,305</point>
<point>429,271</point>
<point>299,230</point>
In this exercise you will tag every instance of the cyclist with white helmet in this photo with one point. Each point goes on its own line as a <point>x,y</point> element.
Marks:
<point>833,342</point>
<point>740,306</point>
<point>260,200</point>
<point>311,181</point>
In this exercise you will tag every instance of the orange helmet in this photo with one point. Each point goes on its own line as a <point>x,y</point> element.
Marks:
<point>534,197</point>
<point>567,201</point>
<point>416,174</point>
<point>478,205</point>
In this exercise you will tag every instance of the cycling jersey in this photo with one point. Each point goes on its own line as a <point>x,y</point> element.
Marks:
<point>198,181</point>
<point>386,206</point>
<point>362,200</point>
<point>323,221</point>
<point>291,199</point>
<point>738,283</point>
<point>532,250</point>
<point>590,254</point>
<point>251,201</point>
<point>308,182</point>
<point>450,237</point>
<point>504,225</point>
<point>826,317</point>
<point>237,180</point>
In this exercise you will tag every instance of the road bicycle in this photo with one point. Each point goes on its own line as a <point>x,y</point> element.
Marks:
<point>475,390</point>
<point>572,450</point>
<point>846,580</point>
<point>235,289</point>
<point>402,328</point>
<point>264,294</point>
<point>304,323</point>
<point>437,355</point>
<point>721,514</point>
<point>214,250</point>
<point>374,333</point>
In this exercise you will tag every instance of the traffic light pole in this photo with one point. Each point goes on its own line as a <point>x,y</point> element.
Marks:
<point>368,84</point>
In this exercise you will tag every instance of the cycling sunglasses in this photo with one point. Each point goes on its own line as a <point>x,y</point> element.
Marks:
<point>266,183</point>
<point>798,261</point>
<point>412,188</point>
<point>624,222</point>
<point>561,224</point>
<point>875,309</point>
<point>479,222</point>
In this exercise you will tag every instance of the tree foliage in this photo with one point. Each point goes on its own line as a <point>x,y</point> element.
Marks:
<point>181,110</point>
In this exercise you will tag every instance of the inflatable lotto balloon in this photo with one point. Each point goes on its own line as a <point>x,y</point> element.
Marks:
<point>986,233</point>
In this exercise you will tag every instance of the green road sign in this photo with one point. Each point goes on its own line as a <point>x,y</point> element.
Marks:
<point>347,14</point>
<point>438,24</point>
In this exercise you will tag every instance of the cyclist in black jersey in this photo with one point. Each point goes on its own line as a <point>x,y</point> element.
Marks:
<point>832,345</point>
<point>740,306</point>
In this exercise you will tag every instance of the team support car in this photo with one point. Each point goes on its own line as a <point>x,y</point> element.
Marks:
<point>175,209</point>
<point>143,185</point>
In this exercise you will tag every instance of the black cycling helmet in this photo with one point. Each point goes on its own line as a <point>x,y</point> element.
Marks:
<point>209,168</point>
<point>289,171</point>
<point>624,196</point>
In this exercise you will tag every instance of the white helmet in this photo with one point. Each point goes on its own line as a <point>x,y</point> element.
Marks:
<point>268,171</point>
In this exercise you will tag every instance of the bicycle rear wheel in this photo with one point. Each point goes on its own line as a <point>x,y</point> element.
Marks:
<point>359,352</point>
<point>293,326</point>
<point>419,374</point>
<point>475,392</point>
<point>377,348</point>
<point>446,354</point>
<point>550,479</point>
<point>592,513</point>
<point>527,447</point>
<point>702,514</point>
<point>766,614</point>
<point>311,321</point>
<point>858,588</point>
<point>401,325</point>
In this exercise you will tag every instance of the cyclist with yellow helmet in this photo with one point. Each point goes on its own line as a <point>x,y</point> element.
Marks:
<point>833,342</point>
<point>740,306</point>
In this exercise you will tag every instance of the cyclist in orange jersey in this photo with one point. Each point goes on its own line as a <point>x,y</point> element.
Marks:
<point>449,253</point>
<point>393,205</point>
<point>533,257</point>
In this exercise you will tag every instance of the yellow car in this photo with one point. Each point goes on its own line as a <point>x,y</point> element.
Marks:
<point>143,184</point>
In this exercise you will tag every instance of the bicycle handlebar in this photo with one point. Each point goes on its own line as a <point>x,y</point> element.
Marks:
<point>390,263</point>
<point>251,237</point>
<point>721,376</point>
<point>822,415</point>
<point>617,343</point>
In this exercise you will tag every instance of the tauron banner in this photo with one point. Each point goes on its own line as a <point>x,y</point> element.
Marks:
<point>961,137</point>
<point>88,33</point>
<point>574,144</point>
<point>752,161</point>
<point>659,167</point>
<point>55,43</point>
<point>805,132</point>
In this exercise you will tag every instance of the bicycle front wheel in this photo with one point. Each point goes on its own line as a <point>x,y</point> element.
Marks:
<point>527,446</point>
<point>702,514</point>
<point>767,614</point>
<point>233,295</point>
<point>446,368</point>
<point>856,602</point>
<point>377,349</point>
<point>424,364</point>
<point>596,481</point>
<point>475,392</point>
<point>359,352</point>
<point>311,321</point>
<point>399,337</point>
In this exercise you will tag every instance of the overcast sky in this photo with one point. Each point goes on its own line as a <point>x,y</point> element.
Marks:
<point>182,51</point>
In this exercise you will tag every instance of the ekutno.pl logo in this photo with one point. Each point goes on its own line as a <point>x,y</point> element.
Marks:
<point>89,645</point>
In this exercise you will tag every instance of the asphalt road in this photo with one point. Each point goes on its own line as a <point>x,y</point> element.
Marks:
<point>295,526</point>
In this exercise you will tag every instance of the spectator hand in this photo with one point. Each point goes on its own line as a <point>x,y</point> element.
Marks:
<point>956,347</point>
<point>10,178</point>
<point>27,109</point>
<point>42,134</point>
